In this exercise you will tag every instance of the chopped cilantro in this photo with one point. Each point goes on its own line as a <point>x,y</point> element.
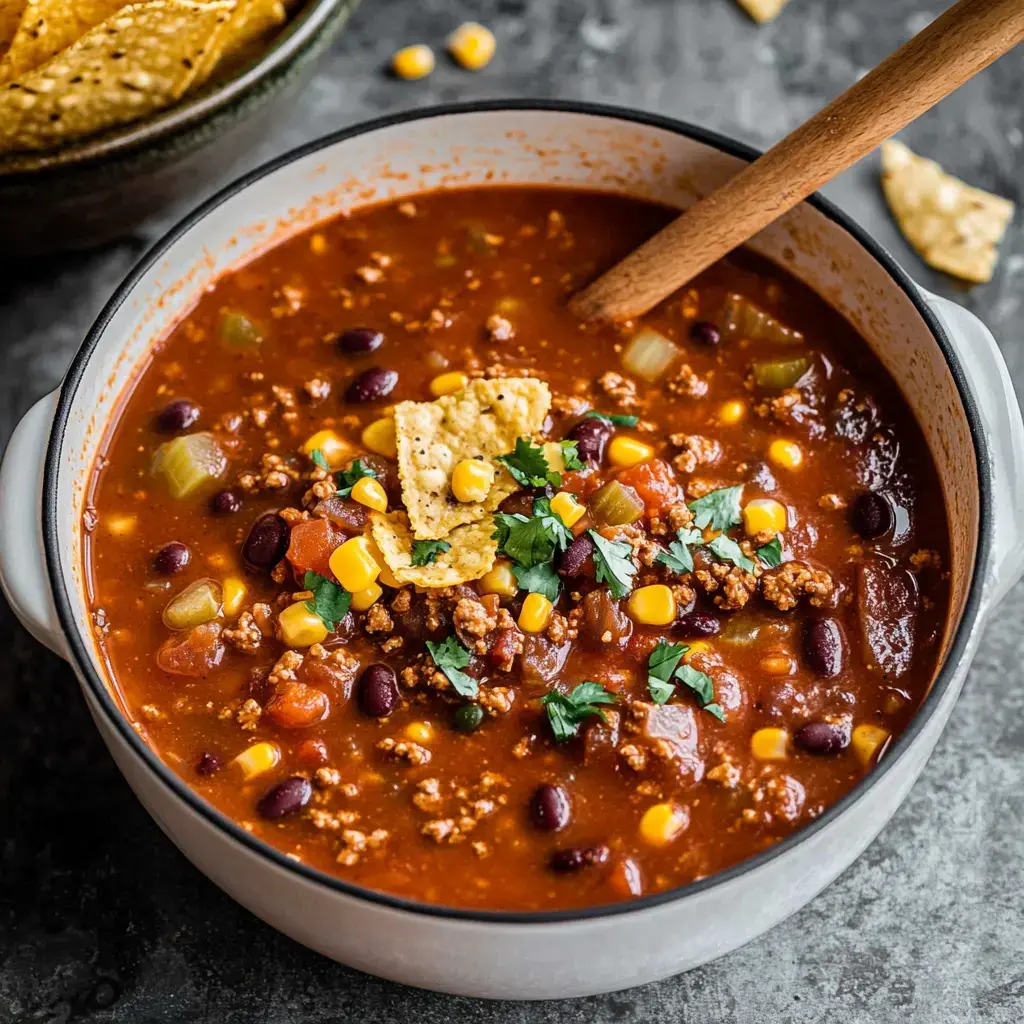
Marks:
<point>619,419</point>
<point>728,550</point>
<point>567,711</point>
<point>425,551</point>
<point>560,533</point>
<point>571,455</point>
<point>347,478</point>
<point>661,666</point>
<point>720,509</point>
<point>528,466</point>
<point>451,657</point>
<point>771,553</point>
<point>539,579</point>
<point>531,541</point>
<point>678,557</point>
<point>702,687</point>
<point>320,459</point>
<point>715,709</point>
<point>330,601</point>
<point>614,565</point>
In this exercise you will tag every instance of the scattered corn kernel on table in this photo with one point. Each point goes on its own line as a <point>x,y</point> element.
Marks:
<point>106,922</point>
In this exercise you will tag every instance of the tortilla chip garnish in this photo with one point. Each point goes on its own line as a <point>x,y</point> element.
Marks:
<point>10,18</point>
<point>138,61</point>
<point>471,554</point>
<point>250,20</point>
<point>955,227</point>
<point>763,10</point>
<point>484,419</point>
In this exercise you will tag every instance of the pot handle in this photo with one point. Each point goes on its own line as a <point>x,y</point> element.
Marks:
<point>983,363</point>
<point>23,575</point>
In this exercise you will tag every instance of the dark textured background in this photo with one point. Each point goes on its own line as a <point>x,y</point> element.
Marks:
<point>101,920</point>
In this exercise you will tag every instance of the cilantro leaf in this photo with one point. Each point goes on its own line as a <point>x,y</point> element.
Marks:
<point>320,459</point>
<point>715,709</point>
<point>728,550</point>
<point>619,419</point>
<point>571,454</point>
<point>567,711</point>
<point>425,551</point>
<point>614,565</point>
<point>539,579</point>
<point>451,657</point>
<point>347,478</point>
<point>678,557</point>
<point>330,601</point>
<point>528,466</point>
<point>560,533</point>
<point>661,666</point>
<point>703,688</point>
<point>720,509</point>
<point>529,541</point>
<point>771,553</point>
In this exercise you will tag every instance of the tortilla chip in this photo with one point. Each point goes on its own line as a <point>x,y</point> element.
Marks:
<point>955,227</point>
<point>250,20</point>
<point>471,554</point>
<point>10,18</point>
<point>138,61</point>
<point>48,26</point>
<point>483,419</point>
<point>763,10</point>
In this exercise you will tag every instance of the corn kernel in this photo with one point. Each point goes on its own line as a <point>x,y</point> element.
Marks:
<point>472,45</point>
<point>335,450</point>
<point>535,614</point>
<point>386,577</point>
<point>785,454</point>
<point>500,580</point>
<point>419,732</point>
<point>661,823</point>
<point>696,647</point>
<point>121,526</point>
<point>365,598</point>
<point>731,412</point>
<point>448,383</point>
<point>628,451</point>
<point>567,508</point>
<point>300,627</point>
<point>257,759</point>
<point>369,492</point>
<point>777,665</point>
<point>317,244</point>
<point>472,480</point>
<point>234,595</point>
<point>764,514</point>
<point>867,742</point>
<point>769,744</point>
<point>412,62</point>
<point>554,456</point>
<point>379,437</point>
<point>653,605</point>
<point>354,565</point>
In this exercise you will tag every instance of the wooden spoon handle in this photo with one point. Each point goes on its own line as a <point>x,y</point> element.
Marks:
<point>957,45</point>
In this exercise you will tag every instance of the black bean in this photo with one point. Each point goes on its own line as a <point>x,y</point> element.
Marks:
<point>822,737</point>
<point>871,515</point>
<point>288,797</point>
<point>177,416</point>
<point>550,809</point>
<point>267,542</point>
<point>372,384</point>
<point>378,691</point>
<point>469,718</point>
<point>225,503</point>
<point>172,558</point>
<point>574,556</point>
<point>705,333</point>
<point>591,436</point>
<point>208,764</point>
<point>698,624</point>
<point>823,646</point>
<point>360,339</point>
<point>575,858</point>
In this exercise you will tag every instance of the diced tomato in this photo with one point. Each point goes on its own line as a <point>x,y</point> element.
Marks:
<point>655,482</point>
<point>311,544</point>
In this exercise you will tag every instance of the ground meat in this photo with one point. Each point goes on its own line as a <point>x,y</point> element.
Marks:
<point>331,821</point>
<point>568,405</point>
<point>684,593</point>
<point>424,674</point>
<point>558,629</point>
<point>285,668</point>
<point>620,389</point>
<point>403,750</point>
<point>320,491</point>
<point>634,756</point>
<point>673,519</point>
<point>496,700</point>
<point>686,382</point>
<point>831,502</point>
<point>925,558</point>
<point>402,601</point>
<point>473,619</point>
<point>695,450</point>
<point>378,620</point>
<point>427,797</point>
<point>498,328</point>
<point>784,586</point>
<point>246,636</point>
<point>737,585</point>
<point>789,407</point>
<point>725,773</point>
<point>249,714</point>
<point>354,844</point>
<point>317,389</point>
<point>326,778</point>
<point>274,474</point>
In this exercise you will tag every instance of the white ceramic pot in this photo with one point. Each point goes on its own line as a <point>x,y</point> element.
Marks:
<point>944,359</point>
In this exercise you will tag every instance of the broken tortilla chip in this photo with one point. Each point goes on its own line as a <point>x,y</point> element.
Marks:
<point>250,20</point>
<point>471,554</point>
<point>763,10</point>
<point>482,420</point>
<point>10,19</point>
<point>955,227</point>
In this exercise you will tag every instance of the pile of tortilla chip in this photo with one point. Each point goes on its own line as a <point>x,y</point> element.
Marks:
<point>481,421</point>
<point>955,227</point>
<point>72,68</point>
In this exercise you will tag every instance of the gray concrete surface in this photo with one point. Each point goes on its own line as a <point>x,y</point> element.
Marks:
<point>101,920</point>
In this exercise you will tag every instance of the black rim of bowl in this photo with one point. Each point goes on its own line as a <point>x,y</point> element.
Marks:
<point>180,789</point>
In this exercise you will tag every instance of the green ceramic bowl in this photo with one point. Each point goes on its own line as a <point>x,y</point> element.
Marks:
<point>103,187</point>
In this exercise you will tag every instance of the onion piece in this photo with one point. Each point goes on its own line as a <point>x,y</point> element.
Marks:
<point>616,504</point>
<point>649,354</point>
<point>742,319</point>
<point>779,374</point>
<point>198,603</point>
<point>189,463</point>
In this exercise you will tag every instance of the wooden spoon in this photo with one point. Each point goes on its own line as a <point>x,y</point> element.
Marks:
<point>953,48</point>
